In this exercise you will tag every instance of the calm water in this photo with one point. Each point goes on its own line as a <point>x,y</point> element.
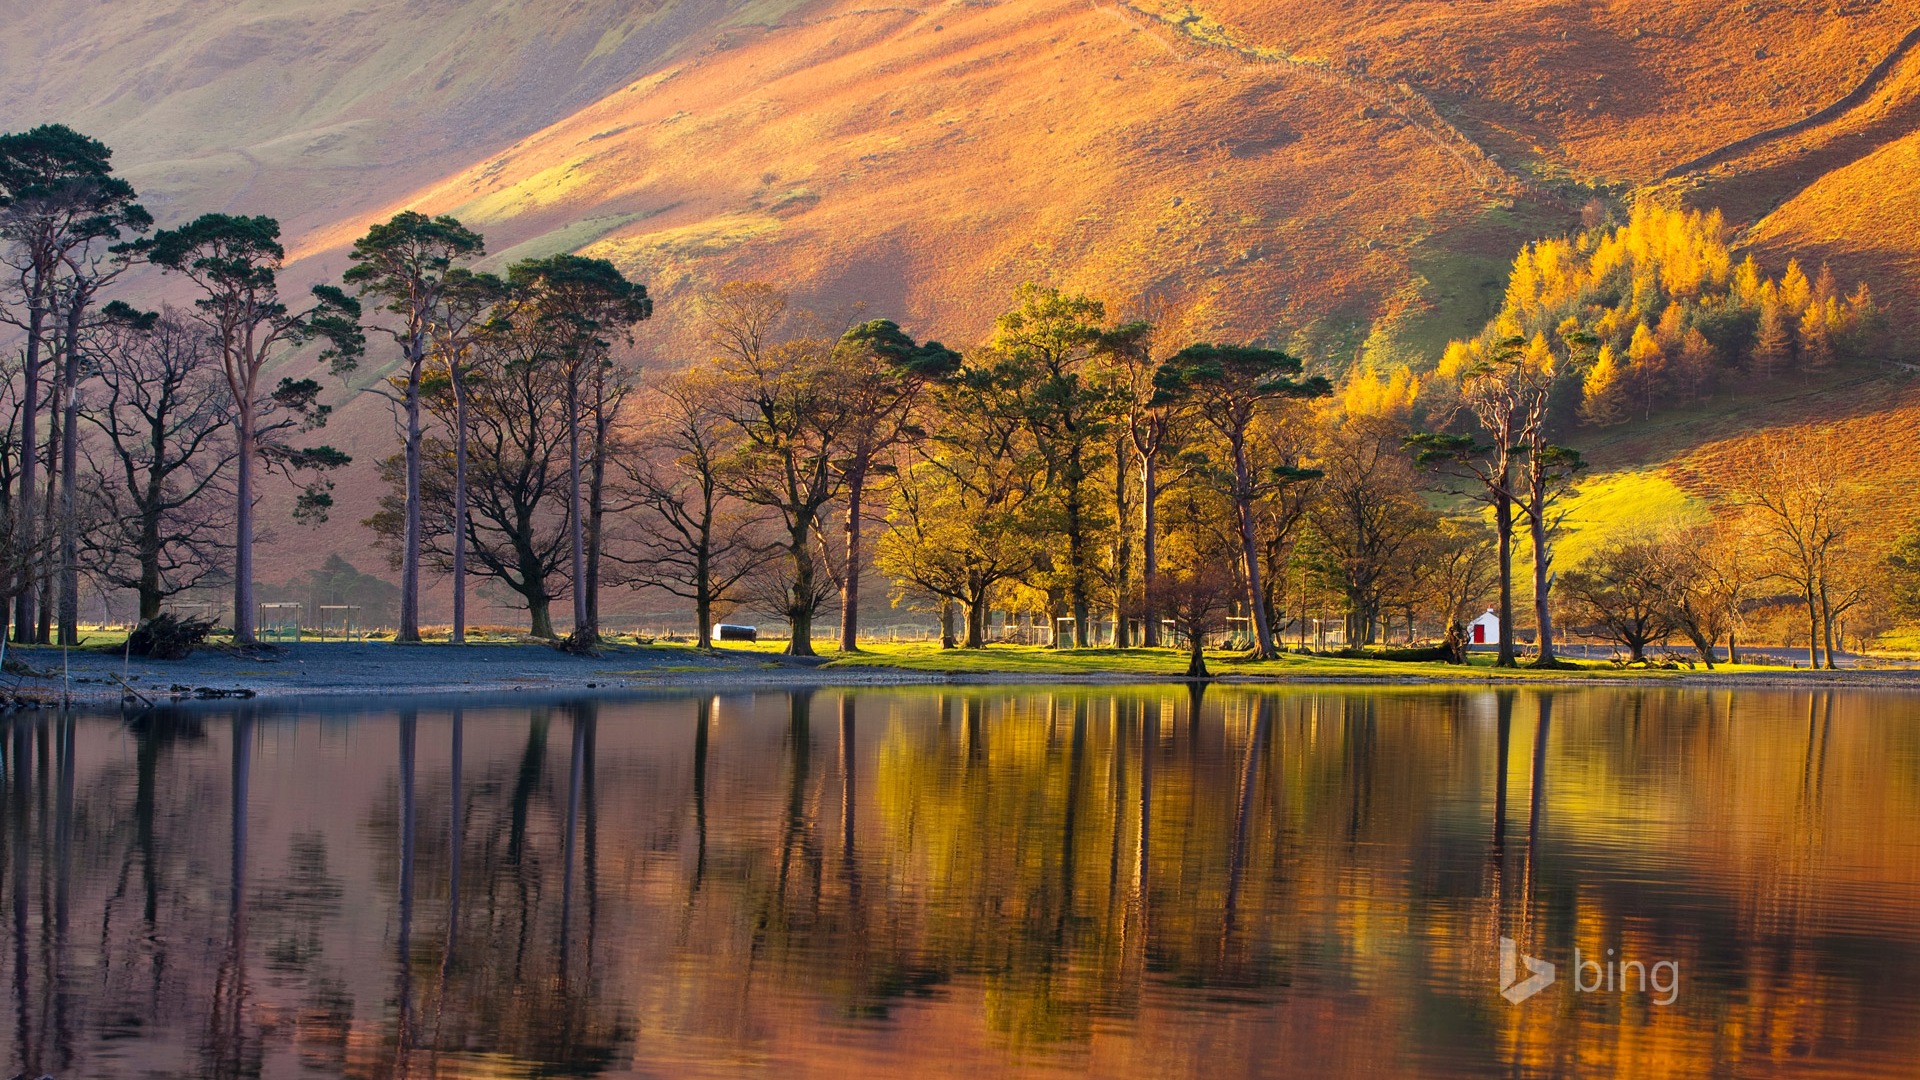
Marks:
<point>947,883</point>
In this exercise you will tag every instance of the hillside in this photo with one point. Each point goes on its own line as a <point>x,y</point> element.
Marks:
<point>312,110</point>
<point>1342,176</point>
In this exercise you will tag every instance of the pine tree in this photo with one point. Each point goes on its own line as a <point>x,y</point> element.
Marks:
<point>1601,396</point>
<point>1796,292</point>
<point>1816,334</point>
<point>1773,345</point>
<point>1696,364</point>
<point>1646,366</point>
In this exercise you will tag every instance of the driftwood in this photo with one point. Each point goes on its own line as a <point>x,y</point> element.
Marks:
<point>168,637</point>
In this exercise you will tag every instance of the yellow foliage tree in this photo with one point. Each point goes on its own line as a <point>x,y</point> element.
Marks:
<point>1600,401</point>
<point>1371,392</point>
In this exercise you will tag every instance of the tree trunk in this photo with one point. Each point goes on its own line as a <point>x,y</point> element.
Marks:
<point>243,529</point>
<point>1703,646</point>
<point>50,572</point>
<point>149,589</point>
<point>949,614</point>
<point>1196,655</point>
<point>1077,559</point>
<point>1813,629</point>
<point>1826,624</point>
<point>1543,616</point>
<point>1250,551</point>
<point>24,615</point>
<point>596,516</point>
<point>69,467</point>
<point>581,627</point>
<point>1123,550</point>
<point>850,586</point>
<point>1733,648</point>
<point>459,633</point>
<point>977,621</point>
<point>1149,550</point>
<point>540,617</point>
<point>69,523</point>
<point>703,603</point>
<point>800,599</point>
<point>1503,527</point>
<point>410,544</point>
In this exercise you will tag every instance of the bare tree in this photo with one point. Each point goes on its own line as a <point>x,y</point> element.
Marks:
<point>1801,505</point>
<point>581,307</point>
<point>691,538</point>
<point>1369,521</point>
<point>610,388</point>
<point>1625,591</point>
<point>1712,580</point>
<point>160,479</point>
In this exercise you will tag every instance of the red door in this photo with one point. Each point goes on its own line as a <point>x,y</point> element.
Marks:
<point>1479,633</point>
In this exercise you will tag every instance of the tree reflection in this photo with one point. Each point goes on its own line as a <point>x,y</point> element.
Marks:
<point>1013,879</point>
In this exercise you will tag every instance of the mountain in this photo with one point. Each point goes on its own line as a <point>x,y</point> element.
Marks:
<point>1344,176</point>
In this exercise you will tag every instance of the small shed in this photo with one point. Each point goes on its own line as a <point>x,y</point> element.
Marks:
<point>736,632</point>
<point>1484,630</point>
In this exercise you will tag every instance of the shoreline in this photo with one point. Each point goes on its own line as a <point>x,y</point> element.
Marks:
<point>41,677</point>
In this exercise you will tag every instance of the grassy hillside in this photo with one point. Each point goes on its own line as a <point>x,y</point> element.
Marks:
<point>1342,176</point>
<point>312,110</point>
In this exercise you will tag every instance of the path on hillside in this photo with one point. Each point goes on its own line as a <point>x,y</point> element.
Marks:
<point>1853,98</point>
<point>1402,100</point>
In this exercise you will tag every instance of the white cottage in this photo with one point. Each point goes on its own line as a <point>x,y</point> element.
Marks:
<point>1484,630</point>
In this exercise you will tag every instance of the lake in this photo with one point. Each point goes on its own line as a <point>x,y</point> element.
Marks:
<point>934,881</point>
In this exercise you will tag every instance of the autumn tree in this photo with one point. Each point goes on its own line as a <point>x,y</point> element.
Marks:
<point>1230,387</point>
<point>235,262</point>
<point>159,479</point>
<point>402,266</point>
<point>1624,591</point>
<point>967,514</point>
<point>1369,520</point>
<point>1043,351</point>
<point>1712,579</point>
<point>1197,586</point>
<point>885,376</point>
<point>783,396</point>
<point>1461,556</point>
<point>1903,567</point>
<point>1153,425</point>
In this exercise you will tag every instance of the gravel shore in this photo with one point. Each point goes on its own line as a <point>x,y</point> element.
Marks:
<point>46,675</point>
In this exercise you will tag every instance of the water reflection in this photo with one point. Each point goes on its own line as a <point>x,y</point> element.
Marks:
<point>1144,882</point>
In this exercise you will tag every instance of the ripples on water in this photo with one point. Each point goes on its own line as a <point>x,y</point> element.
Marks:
<point>877,883</point>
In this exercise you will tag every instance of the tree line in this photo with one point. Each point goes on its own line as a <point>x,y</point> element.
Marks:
<point>1085,467</point>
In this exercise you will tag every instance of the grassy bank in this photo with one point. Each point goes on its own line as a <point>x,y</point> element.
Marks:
<point>1032,660</point>
<point>1010,661</point>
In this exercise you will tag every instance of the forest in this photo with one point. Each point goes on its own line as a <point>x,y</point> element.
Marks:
<point>1082,476</point>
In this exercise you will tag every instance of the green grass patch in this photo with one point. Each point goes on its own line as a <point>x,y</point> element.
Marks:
<point>1033,660</point>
